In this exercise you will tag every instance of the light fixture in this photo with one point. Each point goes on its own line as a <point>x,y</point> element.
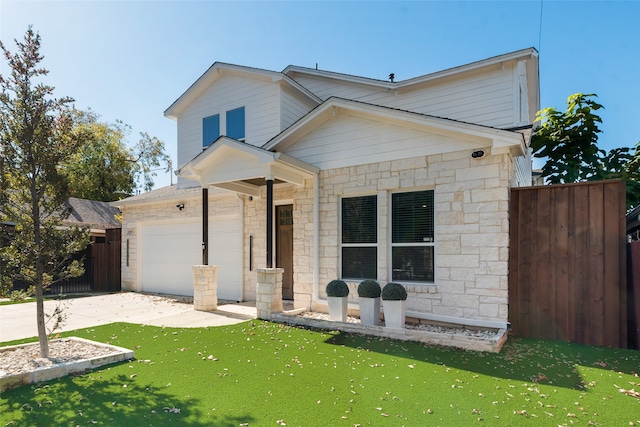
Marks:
<point>180,206</point>
<point>477,154</point>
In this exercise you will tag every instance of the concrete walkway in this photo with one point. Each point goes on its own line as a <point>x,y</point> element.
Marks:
<point>18,321</point>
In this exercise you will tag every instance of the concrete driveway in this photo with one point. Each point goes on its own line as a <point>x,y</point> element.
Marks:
<point>18,321</point>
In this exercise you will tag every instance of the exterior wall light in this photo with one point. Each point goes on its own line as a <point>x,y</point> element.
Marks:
<point>477,154</point>
<point>180,206</point>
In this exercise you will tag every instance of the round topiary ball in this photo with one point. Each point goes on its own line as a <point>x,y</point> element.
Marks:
<point>337,288</point>
<point>369,289</point>
<point>393,291</point>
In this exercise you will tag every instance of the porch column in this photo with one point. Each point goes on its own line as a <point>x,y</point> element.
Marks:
<point>269,223</point>
<point>205,226</point>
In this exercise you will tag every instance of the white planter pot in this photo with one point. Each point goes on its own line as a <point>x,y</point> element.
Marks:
<point>338,308</point>
<point>394,314</point>
<point>369,311</point>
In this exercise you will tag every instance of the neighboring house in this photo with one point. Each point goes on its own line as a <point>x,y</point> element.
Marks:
<point>101,220</point>
<point>96,216</point>
<point>331,176</point>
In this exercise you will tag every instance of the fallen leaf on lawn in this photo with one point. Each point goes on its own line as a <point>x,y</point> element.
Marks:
<point>631,392</point>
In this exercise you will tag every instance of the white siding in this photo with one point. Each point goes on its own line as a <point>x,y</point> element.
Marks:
<point>262,113</point>
<point>523,170</point>
<point>485,97</point>
<point>349,141</point>
<point>292,109</point>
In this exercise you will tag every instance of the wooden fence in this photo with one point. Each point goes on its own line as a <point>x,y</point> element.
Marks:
<point>567,267</point>
<point>102,267</point>
<point>107,261</point>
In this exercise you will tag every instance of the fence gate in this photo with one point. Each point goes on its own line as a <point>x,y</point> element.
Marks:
<point>567,266</point>
<point>106,262</point>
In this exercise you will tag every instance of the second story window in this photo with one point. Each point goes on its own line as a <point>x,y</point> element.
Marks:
<point>210,129</point>
<point>235,124</point>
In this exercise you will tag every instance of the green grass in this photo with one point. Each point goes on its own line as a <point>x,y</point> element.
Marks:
<point>264,374</point>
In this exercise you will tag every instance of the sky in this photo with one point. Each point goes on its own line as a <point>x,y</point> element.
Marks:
<point>129,60</point>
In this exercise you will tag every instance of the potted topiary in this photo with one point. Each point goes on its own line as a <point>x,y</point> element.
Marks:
<point>338,300</point>
<point>394,296</point>
<point>369,299</point>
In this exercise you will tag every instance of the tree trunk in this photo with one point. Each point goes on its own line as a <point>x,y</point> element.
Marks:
<point>42,331</point>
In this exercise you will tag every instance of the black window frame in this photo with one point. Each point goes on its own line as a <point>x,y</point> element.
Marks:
<point>412,240</point>
<point>359,237</point>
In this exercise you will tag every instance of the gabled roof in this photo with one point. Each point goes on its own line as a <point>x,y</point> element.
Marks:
<point>332,106</point>
<point>236,166</point>
<point>219,69</point>
<point>531,52</point>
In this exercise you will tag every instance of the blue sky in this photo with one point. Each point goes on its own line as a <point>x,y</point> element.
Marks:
<point>130,60</point>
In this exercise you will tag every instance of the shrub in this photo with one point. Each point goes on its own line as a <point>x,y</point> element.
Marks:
<point>369,289</point>
<point>20,295</point>
<point>337,288</point>
<point>393,291</point>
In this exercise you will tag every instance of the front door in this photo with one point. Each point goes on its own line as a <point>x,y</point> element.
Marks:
<point>284,247</point>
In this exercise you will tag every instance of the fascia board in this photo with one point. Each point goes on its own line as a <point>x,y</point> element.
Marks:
<point>214,72</point>
<point>449,127</point>
<point>186,195</point>
<point>404,84</point>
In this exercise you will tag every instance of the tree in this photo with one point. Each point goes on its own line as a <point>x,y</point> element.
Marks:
<point>36,136</point>
<point>101,169</point>
<point>569,142</point>
<point>115,170</point>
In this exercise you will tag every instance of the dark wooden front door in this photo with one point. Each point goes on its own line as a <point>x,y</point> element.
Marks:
<point>284,247</point>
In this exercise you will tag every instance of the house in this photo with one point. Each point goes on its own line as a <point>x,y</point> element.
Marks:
<point>330,175</point>
<point>100,219</point>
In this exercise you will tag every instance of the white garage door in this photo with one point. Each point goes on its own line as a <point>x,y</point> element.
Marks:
<point>169,251</point>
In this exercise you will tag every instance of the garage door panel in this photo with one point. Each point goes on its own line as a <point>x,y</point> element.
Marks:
<point>169,251</point>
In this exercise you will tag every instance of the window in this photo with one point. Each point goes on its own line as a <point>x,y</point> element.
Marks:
<point>359,237</point>
<point>412,236</point>
<point>235,123</point>
<point>210,129</point>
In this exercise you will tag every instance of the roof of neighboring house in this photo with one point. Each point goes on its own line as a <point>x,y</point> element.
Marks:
<point>633,223</point>
<point>91,213</point>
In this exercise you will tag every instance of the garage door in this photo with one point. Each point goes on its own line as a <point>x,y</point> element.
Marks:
<point>169,251</point>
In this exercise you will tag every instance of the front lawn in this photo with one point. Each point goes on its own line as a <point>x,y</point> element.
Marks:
<point>259,373</point>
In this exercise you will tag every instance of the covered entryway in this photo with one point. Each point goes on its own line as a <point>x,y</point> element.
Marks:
<point>170,249</point>
<point>252,171</point>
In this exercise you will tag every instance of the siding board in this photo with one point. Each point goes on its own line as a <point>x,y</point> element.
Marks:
<point>484,97</point>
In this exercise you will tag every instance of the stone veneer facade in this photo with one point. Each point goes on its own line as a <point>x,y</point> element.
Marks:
<point>471,230</point>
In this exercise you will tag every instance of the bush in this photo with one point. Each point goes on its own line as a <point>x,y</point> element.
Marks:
<point>337,288</point>
<point>393,291</point>
<point>21,295</point>
<point>369,289</point>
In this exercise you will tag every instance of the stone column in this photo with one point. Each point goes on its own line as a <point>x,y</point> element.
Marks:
<point>269,294</point>
<point>205,287</point>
